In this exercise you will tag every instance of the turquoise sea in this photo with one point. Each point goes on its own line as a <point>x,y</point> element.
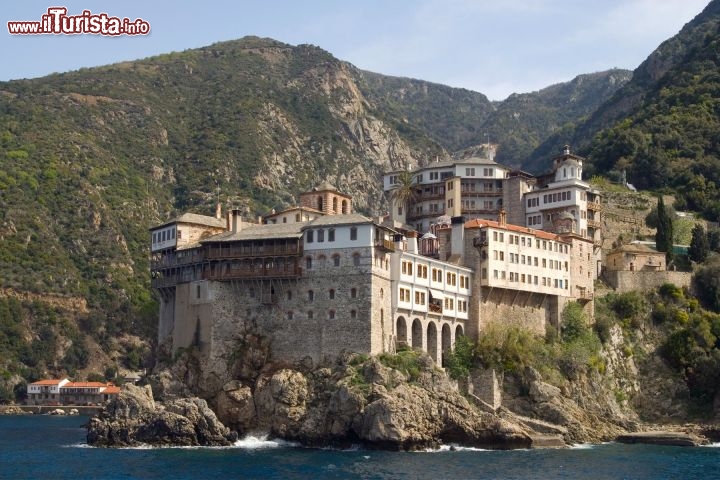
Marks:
<point>33,447</point>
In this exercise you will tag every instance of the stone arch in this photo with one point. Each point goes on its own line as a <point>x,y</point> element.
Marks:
<point>344,207</point>
<point>417,334</point>
<point>335,205</point>
<point>432,341</point>
<point>458,332</point>
<point>401,331</point>
<point>447,343</point>
<point>320,203</point>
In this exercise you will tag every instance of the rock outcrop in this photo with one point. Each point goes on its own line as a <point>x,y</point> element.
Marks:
<point>134,418</point>
<point>362,401</point>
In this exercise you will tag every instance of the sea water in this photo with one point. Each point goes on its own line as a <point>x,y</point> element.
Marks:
<point>37,447</point>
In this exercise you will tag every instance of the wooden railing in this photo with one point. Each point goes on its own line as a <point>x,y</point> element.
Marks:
<point>594,206</point>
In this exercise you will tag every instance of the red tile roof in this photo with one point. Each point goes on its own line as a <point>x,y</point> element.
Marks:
<point>85,385</point>
<point>478,223</point>
<point>47,382</point>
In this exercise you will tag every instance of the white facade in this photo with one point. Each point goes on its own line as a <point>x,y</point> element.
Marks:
<point>518,258</point>
<point>425,285</point>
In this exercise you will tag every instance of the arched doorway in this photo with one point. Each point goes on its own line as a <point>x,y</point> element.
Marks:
<point>432,341</point>
<point>417,340</point>
<point>401,332</point>
<point>446,341</point>
<point>458,332</point>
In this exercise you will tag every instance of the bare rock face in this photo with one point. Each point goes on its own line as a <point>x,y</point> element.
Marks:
<point>135,418</point>
<point>236,406</point>
<point>376,406</point>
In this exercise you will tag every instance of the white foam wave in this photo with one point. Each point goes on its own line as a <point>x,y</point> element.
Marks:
<point>251,442</point>
<point>582,446</point>
<point>712,445</point>
<point>451,447</point>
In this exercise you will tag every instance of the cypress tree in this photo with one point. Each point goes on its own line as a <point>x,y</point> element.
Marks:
<point>699,245</point>
<point>664,234</point>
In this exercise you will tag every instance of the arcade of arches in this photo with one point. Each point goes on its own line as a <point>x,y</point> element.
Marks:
<point>436,338</point>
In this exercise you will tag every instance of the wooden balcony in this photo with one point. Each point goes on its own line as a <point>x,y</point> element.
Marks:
<point>433,308</point>
<point>249,251</point>
<point>594,224</point>
<point>383,244</point>
<point>594,206</point>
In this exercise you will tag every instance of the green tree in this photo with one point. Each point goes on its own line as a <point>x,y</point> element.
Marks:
<point>699,245</point>
<point>405,191</point>
<point>706,282</point>
<point>664,234</point>
<point>714,239</point>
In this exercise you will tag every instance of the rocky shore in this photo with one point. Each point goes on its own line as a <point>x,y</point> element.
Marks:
<point>364,401</point>
<point>134,418</point>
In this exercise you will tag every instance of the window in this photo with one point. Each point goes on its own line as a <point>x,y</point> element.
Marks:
<point>308,263</point>
<point>331,314</point>
<point>422,271</point>
<point>449,304</point>
<point>163,235</point>
<point>321,235</point>
<point>289,295</point>
<point>353,293</point>
<point>353,233</point>
<point>309,236</point>
<point>331,235</point>
<point>420,298</point>
<point>336,260</point>
<point>451,279</point>
<point>469,172</point>
<point>356,259</point>
<point>495,274</point>
<point>311,295</point>
<point>436,275</point>
<point>310,315</point>
<point>353,314</point>
<point>289,315</point>
<point>198,291</point>
<point>331,294</point>
<point>172,233</point>
<point>404,295</point>
<point>407,268</point>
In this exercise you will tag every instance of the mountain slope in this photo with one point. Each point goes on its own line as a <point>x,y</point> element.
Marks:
<point>661,126</point>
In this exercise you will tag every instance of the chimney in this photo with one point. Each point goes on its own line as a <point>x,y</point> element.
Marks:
<point>234,222</point>
<point>218,211</point>
<point>502,218</point>
<point>412,243</point>
<point>457,241</point>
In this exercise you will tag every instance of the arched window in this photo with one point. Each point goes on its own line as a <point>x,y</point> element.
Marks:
<point>335,205</point>
<point>344,206</point>
<point>336,260</point>
<point>353,314</point>
<point>320,204</point>
<point>331,314</point>
<point>331,294</point>
<point>311,295</point>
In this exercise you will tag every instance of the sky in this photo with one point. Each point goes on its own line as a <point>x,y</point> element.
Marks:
<point>496,47</point>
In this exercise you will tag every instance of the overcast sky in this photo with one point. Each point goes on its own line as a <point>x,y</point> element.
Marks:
<point>495,47</point>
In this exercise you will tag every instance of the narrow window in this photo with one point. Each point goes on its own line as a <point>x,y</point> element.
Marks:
<point>331,294</point>
<point>336,260</point>
<point>331,235</point>
<point>309,236</point>
<point>353,293</point>
<point>311,295</point>
<point>353,233</point>
<point>321,235</point>
<point>356,259</point>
